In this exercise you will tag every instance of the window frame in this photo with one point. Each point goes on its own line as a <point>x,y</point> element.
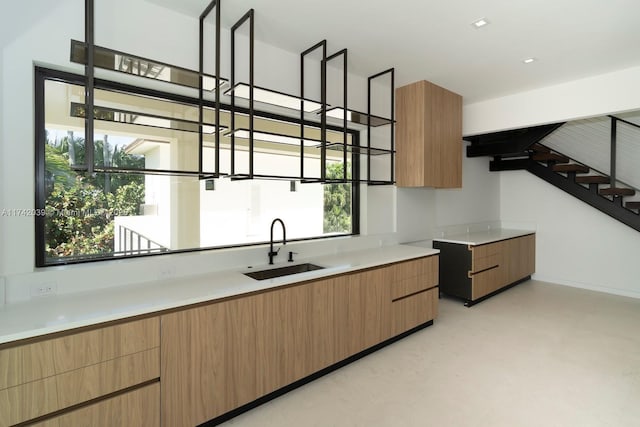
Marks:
<point>42,74</point>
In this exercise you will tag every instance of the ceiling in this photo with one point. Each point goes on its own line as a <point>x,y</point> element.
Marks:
<point>434,39</point>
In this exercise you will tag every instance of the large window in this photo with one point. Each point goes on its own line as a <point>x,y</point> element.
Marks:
<point>148,195</point>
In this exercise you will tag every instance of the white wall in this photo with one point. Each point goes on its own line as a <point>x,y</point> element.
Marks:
<point>603,94</point>
<point>2,175</point>
<point>477,201</point>
<point>422,210</point>
<point>46,41</point>
<point>576,245</point>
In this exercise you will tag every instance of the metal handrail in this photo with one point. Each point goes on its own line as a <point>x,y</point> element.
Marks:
<point>625,121</point>
<point>122,232</point>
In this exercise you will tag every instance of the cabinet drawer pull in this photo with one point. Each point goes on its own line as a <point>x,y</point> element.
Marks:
<point>471,274</point>
<point>413,294</point>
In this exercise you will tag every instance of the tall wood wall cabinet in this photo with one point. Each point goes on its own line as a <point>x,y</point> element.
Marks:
<point>428,136</point>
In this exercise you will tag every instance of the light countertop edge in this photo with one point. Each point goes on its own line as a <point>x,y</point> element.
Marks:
<point>64,312</point>
<point>476,238</point>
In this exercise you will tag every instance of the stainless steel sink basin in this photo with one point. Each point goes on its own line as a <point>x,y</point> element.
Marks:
<point>282,271</point>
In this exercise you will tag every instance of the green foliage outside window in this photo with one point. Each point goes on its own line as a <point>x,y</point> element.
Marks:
<point>80,209</point>
<point>337,202</point>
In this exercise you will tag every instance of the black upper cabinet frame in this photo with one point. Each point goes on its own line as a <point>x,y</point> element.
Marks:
<point>215,4</point>
<point>249,16</point>
<point>391,73</point>
<point>135,65</point>
<point>323,108</point>
<point>342,53</point>
<point>89,71</point>
<point>90,51</point>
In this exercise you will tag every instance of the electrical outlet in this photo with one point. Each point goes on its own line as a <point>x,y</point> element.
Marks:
<point>44,289</point>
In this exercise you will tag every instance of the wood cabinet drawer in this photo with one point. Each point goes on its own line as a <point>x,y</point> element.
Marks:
<point>31,362</point>
<point>414,276</point>
<point>140,408</point>
<point>416,284</point>
<point>98,380</point>
<point>50,375</point>
<point>482,263</point>
<point>407,313</point>
<point>38,398</point>
<point>485,256</point>
<point>418,267</point>
<point>28,401</point>
<point>486,282</point>
<point>485,250</point>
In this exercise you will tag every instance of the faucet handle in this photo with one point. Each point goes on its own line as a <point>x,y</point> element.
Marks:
<point>291,256</point>
<point>275,252</point>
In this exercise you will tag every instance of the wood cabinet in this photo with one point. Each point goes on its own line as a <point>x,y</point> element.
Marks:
<point>414,310</point>
<point>414,294</point>
<point>51,375</point>
<point>473,272</point>
<point>188,366</point>
<point>220,356</point>
<point>428,136</point>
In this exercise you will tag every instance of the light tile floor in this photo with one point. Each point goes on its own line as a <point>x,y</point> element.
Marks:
<point>536,355</point>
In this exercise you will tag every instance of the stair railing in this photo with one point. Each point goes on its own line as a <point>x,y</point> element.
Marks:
<point>128,238</point>
<point>614,144</point>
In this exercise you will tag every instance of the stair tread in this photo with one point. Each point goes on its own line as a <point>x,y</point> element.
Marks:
<point>544,157</point>
<point>570,168</point>
<point>617,191</point>
<point>540,148</point>
<point>593,179</point>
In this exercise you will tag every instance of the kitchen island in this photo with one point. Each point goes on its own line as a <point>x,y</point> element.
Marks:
<point>477,265</point>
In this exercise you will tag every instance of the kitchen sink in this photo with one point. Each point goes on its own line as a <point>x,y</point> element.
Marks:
<point>282,271</point>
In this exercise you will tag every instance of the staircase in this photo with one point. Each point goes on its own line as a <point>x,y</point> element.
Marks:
<point>595,188</point>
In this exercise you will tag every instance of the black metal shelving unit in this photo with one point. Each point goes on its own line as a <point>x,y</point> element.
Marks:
<point>389,122</point>
<point>322,46</point>
<point>343,54</point>
<point>215,4</point>
<point>95,56</point>
<point>247,17</point>
<point>139,66</point>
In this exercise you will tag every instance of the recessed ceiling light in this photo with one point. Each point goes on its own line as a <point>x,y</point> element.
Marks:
<point>480,23</point>
<point>529,60</point>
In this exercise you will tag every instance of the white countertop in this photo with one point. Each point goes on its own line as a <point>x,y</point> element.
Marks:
<point>58,313</point>
<point>475,238</point>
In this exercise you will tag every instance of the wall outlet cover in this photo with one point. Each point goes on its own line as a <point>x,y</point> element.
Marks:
<point>44,289</point>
